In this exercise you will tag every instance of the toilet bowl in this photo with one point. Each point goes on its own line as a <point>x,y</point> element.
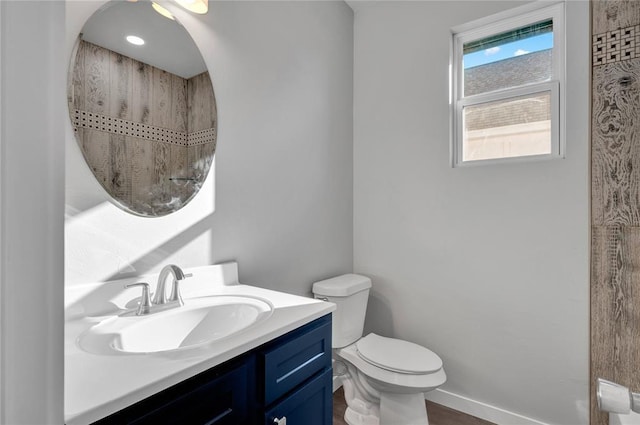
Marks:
<point>382,394</point>
<point>385,378</point>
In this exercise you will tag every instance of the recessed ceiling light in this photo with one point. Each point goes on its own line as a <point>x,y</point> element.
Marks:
<point>134,39</point>
<point>161,10</point>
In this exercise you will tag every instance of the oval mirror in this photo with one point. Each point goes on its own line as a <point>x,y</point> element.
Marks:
<point>142,107</point>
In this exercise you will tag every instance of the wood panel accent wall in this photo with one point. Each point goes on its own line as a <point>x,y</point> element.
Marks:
<point>615,197</point>
<point>199,121</point>
<point>143,131</point>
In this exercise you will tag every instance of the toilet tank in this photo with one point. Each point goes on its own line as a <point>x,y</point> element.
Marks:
<point>350,292</point>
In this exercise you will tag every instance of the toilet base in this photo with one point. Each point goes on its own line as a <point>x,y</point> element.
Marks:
<point>368,406</point>
<point>354,418</point>
<point>406,409</point>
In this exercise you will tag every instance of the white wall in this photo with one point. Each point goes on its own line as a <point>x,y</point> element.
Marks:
<point>279,200</point>
<point>488,266</point>
<point>32,196</point>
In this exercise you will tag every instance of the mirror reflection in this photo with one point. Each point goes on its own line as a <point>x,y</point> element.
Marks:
<point>142,107</point>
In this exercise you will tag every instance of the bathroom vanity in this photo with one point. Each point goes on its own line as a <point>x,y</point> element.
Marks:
<point>276,370</point>
<point>289,377</point>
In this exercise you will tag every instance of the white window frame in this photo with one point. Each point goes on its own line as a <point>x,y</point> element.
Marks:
<point>503,22</point>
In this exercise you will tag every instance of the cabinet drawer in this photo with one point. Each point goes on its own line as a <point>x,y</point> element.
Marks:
<point>296,358</point>
<point>312,404</point>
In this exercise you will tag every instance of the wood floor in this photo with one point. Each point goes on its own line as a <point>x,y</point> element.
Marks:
<point>438,414</point>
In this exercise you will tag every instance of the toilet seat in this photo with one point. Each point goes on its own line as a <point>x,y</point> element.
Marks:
<point>397,355</point>
<point>392,381</point>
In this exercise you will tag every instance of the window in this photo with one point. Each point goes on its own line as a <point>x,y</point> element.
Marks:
<point>507,86</point>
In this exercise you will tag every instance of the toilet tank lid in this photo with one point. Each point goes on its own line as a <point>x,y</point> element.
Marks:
<point>342,286</point>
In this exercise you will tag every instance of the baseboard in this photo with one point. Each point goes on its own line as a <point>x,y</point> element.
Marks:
<point>479,409</point>
<point>470,407</point>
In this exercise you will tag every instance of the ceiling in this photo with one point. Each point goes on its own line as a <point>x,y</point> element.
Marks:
<point>167,46</point>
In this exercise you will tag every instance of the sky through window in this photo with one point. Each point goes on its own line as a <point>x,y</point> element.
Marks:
<point>509,50</point>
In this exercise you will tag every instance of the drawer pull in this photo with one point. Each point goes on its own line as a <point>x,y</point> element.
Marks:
<point>291,372</point>
<point>281,421</point>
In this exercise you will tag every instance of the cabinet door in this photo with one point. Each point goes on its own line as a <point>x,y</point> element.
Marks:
<point>311,404</point>
<point>222,401</point>
<point>214,397</point>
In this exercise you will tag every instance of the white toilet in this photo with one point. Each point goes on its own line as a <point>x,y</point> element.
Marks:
<point>385,378</point>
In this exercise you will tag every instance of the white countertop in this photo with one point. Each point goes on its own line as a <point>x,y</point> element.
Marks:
<point>98,385</point>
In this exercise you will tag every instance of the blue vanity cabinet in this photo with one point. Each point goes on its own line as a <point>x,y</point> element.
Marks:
<point>220,396</point>
<point>287,380</point>
<point>297,376</point>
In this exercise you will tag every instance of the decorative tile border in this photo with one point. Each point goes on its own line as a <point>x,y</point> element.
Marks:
<point>99,122</point>
<point>201,137</point>
<point>615,46</point>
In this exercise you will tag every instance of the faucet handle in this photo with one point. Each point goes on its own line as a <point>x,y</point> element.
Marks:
<point>175,289</point>
<point>145,300</point>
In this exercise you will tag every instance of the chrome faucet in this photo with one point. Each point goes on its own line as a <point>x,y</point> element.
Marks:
<point>160,300</point>
<point>145,302</point>
<point>160,296</point>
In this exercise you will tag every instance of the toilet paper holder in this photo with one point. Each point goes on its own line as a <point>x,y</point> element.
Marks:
<point>616,398</point>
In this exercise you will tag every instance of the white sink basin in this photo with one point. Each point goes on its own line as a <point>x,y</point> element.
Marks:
<point>200,321</point>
